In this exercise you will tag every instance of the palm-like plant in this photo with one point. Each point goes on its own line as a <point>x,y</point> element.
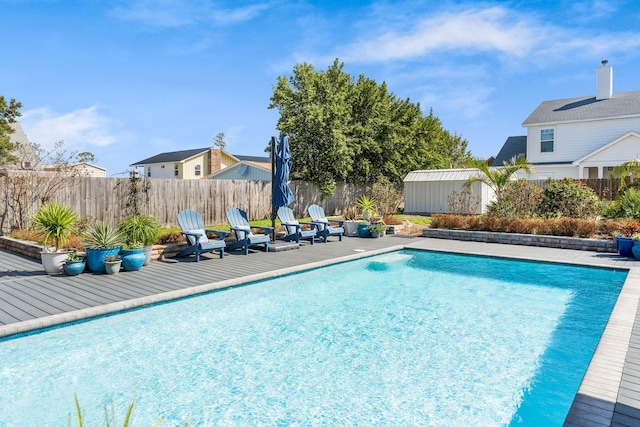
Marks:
<point>101,236</point>
<point>56,221</point>
<point>629,169</point>
<point>497,178</point>
<point>141,229</point>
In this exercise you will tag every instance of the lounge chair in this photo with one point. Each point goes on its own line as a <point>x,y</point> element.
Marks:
<point>324,226</point>
<point>292,227</point>
<point>196,235</point>
<point>241,228</point>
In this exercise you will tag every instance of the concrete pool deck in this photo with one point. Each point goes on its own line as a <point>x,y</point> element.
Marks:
<point>29,299</point>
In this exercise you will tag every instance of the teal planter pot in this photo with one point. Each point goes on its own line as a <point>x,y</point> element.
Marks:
<point>625,245</point>
<point>73,268</point>
<point>132,259</point>
<point>95,258</point>
<point>636,250</point>
<point>363,230</point>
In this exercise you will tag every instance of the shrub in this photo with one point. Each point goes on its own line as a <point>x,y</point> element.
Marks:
<point>463,203</point>
<point>629,227</point>
<point>170,237</point>
<point>627,205</point>
<point>450,222</point>
<point>492,223</point>
<point>388,196</point>
<point>518,199</point>
<point>391,220</point>
<point>569,198</point>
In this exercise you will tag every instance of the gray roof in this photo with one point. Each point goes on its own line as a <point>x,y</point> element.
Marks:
<point>172,156</point>
<point>513,146</point>
<point>621,104</point>
<point>256,159</point>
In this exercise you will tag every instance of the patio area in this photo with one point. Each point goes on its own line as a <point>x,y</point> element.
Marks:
<point>30,299</point>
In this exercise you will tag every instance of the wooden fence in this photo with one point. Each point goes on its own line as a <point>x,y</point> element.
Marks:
<point>105,199</point>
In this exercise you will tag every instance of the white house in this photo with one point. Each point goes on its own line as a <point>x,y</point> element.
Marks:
<point>583,137</point>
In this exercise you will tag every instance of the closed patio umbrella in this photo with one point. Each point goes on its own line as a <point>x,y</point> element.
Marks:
<point>281,194</point>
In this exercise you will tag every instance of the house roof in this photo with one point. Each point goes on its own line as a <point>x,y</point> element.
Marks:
<point>623,104</point>
<point>232,168</point>
<point>180,156</point>
<point>514,146</point>
<point>442,175</point>
<point>172,156</point>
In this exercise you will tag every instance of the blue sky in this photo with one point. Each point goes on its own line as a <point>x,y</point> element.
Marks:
<point>126,80</point>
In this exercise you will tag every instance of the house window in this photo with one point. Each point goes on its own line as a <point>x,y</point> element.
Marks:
<point>546,140</point>
<point>176,171</point>
<point>197,170</point>
<point>149,172</point>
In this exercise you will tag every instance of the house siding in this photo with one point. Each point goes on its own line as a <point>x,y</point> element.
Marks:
<point>575,140</point>
<point>158,171</point>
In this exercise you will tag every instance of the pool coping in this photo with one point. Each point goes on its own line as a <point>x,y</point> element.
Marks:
<point>600,389</point>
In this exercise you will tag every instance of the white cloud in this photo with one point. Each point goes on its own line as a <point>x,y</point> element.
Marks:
<point>181,13</point>
<point>79,129</point>
<point>494,29</point>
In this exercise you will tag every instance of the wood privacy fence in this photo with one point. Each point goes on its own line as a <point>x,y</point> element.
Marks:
<point>105,199</point>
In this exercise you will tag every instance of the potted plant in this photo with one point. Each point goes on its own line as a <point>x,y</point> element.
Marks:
<point>142,229</point>
<point>74,264</point>
<point>57,222</point>
<point>133,256</point>
<point>377,229</point>
<point>363,229</point>
<point>112,264</point>
<point>351,222</point>
<point>368,207</point>
<point>635,249</point>
<point>101,241</point>
<point>625,245</point>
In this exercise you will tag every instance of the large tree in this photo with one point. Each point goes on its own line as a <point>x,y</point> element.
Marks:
<point>8,113</point>
<point>354,130</point>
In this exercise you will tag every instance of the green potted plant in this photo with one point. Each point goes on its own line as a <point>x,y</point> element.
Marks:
<point>377,229</point>
<point>101,241</point>
<point>74,264</point>
<point>351,222</point>
<point>363,229</point>
<point>368,207</point>
<point>140,229</point>
<point>112,264</point>
<point>56,222</point>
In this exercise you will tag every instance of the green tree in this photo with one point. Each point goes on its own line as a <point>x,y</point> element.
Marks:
<point>8,113</point>
<point>219,141</point>
<point>343,129</point>
<point>497,178</point>
<point>86,157</point>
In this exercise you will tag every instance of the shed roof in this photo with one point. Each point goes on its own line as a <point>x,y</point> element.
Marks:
<point>622,104</point>
<point>442,175</point>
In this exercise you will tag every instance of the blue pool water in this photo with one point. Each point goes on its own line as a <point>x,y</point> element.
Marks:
<point>405,338</point>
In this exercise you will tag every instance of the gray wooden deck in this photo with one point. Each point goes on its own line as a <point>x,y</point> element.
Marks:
<point>608,396</point>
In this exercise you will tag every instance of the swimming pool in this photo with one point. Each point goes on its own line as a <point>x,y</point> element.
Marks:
<point>407,338</point>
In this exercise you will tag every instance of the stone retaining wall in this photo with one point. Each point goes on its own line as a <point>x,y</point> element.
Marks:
<point>597,245</point>
<point>32,249</point>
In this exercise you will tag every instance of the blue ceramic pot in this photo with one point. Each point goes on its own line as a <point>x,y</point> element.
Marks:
<point>132,259</point>
<point>625,245</point>
<point>363,230</point>
<point>95,258</point>
<point>73,268</point>
<point>636,250</point>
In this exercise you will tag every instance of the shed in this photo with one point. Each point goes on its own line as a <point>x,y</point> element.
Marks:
<point>244,170</point>
<point>426,191</point>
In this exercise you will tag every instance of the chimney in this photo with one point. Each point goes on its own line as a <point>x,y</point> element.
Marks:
<point>604,81</point>
<point>215,160</point>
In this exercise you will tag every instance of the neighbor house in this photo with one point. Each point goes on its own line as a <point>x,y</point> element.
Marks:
<point>201,163</point>
<point>584,137</point>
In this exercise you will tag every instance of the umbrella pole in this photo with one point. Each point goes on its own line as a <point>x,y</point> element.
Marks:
<point>273,178</point>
